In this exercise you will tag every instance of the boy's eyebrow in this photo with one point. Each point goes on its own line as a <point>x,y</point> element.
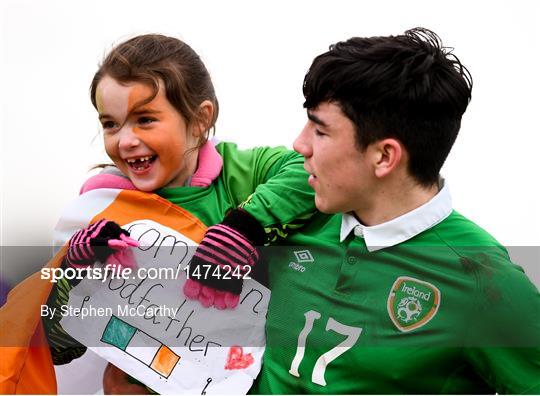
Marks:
<point>316,119</point>
<point>103,115</point>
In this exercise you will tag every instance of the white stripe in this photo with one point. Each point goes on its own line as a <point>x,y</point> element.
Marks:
<point>78,213</point>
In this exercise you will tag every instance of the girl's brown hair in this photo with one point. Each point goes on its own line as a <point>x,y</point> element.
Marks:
<point>153,58</point>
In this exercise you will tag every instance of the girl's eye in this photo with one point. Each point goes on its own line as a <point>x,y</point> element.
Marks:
<point>319,133</point>
<point>108,125</point>
<point>145,120</point>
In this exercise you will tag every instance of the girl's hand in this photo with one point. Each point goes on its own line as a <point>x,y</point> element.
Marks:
<point>99,241</point>
<point>225,256</point>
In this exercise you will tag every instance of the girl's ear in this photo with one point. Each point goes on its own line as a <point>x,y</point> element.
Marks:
<point>204,118</point>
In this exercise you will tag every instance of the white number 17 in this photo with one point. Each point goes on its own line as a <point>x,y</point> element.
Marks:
<point>352,333</point>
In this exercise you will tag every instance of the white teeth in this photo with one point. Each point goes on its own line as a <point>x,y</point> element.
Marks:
<point>141,159</point>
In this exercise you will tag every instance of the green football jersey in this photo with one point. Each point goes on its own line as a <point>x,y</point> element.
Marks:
<point>428,303</point>
<point>269,182</point>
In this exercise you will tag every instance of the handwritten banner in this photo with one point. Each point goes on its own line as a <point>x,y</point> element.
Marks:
<point>145,326</point>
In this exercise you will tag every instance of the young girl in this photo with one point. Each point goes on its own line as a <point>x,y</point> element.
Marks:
<point>157,105</point>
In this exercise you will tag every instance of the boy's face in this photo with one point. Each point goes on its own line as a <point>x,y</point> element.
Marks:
<point>340,173</point>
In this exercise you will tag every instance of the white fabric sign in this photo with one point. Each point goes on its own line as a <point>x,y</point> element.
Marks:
<point>150,330</point>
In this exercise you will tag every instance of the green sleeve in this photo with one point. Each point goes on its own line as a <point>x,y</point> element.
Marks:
<point>505,340</point>
<point>64,348</point>
<point>271,184</point>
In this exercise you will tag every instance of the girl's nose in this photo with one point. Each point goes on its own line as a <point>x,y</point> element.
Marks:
<point>127,138</point>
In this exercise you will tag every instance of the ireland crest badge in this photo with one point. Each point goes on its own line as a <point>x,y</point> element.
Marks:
<point>412,303</point>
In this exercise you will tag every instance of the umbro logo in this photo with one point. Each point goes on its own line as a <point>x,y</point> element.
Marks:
<point>303,256</point>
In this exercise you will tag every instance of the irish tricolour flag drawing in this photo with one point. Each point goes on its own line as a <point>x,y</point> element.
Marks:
<point>140,346</point>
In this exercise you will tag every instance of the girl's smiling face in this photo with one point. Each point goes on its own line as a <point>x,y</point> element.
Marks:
<point>150,143</point>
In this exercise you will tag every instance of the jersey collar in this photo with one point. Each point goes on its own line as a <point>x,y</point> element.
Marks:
<point>401,228</point>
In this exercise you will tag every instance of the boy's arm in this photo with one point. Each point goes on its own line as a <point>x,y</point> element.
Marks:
<point>270,184</point>
<point>505,340</point>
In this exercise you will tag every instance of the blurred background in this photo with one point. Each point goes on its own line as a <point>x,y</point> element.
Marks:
<point>257,54</point>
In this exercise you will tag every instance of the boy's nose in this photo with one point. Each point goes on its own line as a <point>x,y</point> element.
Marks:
<point>301,144</point>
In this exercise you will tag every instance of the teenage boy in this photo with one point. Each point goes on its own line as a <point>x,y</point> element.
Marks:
<point>395,292</point>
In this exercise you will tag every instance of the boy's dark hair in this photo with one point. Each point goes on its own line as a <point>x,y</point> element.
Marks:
<point>407,87</point>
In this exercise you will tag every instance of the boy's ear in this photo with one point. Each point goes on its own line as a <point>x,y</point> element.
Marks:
<point>389,154</point>
<point>204,118</point>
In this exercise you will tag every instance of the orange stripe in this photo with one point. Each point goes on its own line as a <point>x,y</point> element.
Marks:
<point>26,359</point>
<point>165,361</point>
<point>130,205</point>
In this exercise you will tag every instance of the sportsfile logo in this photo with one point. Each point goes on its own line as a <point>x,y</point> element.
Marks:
<point>302,256</point>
